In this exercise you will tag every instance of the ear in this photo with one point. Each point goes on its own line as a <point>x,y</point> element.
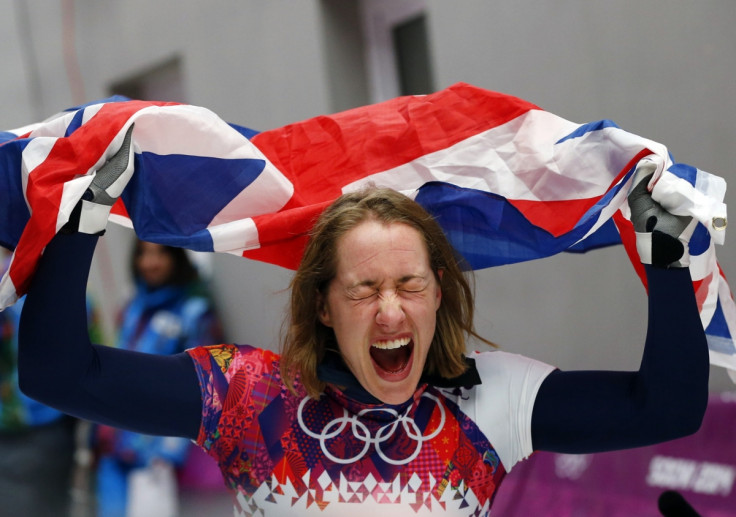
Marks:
<point>323,312</point>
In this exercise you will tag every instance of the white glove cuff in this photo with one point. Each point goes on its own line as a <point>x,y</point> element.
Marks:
<point>644,249</point>
<point>93,217</point>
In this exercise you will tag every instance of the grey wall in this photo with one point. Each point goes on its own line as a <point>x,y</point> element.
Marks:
<point>661,69</point>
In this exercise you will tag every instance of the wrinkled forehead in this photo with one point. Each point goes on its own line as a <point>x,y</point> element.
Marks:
<point>375,248</point>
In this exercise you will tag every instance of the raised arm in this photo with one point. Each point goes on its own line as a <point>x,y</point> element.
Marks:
<point>58,365</point>
<point>593,411</point>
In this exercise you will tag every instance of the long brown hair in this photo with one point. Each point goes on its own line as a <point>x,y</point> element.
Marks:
<point>306,338</point>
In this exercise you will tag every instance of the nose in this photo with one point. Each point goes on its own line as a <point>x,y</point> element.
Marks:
<point>390,314</point>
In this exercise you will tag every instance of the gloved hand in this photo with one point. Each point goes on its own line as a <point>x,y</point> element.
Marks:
<point>91,213</point>
<point>662,239</point>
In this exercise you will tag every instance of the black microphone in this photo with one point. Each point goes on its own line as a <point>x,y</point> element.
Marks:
<point>672,504</point>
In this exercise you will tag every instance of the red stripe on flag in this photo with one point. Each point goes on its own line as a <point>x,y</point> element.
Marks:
<point>119,209</point>
<point>701,288</point>
<point>557,217</point>
<point>284,235</point>
<point>322,154</point>
<point>628,239</point>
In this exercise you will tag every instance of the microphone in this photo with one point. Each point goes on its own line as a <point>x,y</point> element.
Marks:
<point>672,504</point>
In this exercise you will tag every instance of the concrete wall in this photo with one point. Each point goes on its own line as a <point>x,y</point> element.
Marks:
<point>661,69</point>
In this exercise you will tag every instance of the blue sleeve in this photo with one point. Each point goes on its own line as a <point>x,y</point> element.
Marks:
<point>594,411</point>
<point>59,366</point>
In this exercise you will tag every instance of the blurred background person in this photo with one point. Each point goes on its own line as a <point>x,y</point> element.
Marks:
<point>169,312</point>
<point>37,443</point>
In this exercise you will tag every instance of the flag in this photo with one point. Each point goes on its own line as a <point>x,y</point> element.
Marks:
<point>508,182</point>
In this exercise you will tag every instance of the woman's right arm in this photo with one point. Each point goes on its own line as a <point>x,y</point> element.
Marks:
<point>59,366</point>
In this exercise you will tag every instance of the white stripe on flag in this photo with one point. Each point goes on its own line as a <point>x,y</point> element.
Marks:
<point>91,111</point>
<point>8,294</point>
<point>54,126</point>
<point>235,237</point>
<point>191,131</point>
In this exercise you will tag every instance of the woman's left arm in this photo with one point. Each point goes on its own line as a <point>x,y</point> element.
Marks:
<point>586,411</point>
<point>593,411</point>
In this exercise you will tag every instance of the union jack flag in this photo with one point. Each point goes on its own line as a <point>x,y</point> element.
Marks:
<point>508,182</point>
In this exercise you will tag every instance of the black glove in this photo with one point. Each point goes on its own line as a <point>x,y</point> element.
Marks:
<point>662,239</point>
<point>91,213</point>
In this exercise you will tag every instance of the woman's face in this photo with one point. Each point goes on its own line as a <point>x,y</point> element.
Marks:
<point>154,264</point>
<point>382,306</point>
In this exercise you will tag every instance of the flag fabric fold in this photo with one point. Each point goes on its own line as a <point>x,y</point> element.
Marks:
<point>508,182</point>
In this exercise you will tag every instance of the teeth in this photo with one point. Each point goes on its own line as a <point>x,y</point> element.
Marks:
<point>391,344</point>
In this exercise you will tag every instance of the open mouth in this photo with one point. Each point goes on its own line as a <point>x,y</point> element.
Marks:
<point>392,356</point>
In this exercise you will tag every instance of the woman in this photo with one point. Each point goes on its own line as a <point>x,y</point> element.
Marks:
<point>373,405</point>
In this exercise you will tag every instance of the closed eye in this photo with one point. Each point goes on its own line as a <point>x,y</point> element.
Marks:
<point>362,292</point>
<point>414,285</point>
<point>367,290</point>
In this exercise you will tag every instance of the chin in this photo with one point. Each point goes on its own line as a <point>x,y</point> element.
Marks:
<point>395,395</point>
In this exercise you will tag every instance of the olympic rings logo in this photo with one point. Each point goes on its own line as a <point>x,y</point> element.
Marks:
<point>362,433</point>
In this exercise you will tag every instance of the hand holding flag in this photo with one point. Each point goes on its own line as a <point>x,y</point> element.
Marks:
<point>91,213</point>
<point>662,239</point>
